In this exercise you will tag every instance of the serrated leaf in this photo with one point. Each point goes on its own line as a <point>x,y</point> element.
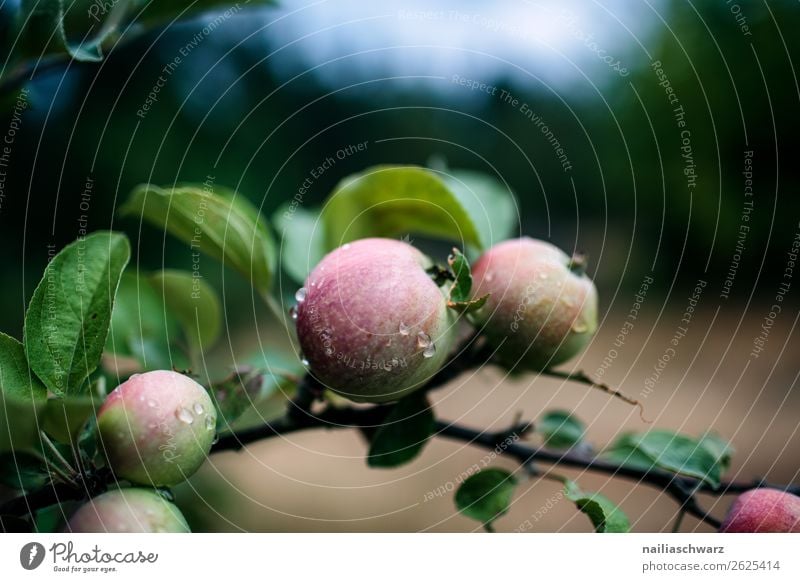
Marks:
<point>302,240</point>
<point>68,318</point>
<point>194,303</point>
<point>486,495</point>
<point>141,325</point>
<point>604,514</point>
<point>561,430</point>
<point>216,221</point>
<point>17,381</point>
<point>403,433</point>
<point>387,201</point>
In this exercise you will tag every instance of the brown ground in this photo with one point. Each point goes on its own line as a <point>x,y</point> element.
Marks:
<point>318,480</point>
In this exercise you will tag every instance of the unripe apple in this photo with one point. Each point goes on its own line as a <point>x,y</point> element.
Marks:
<point>128,511</point>
<point>371,322</point>
<point>541,305</point>
<point>157,428</point>
<point>763,511</point>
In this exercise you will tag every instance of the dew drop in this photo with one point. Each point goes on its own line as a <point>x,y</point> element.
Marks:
<point>210,424</point>
<point>300,295</point>
<point>304,361</point>
<point>198,409</point>
<point>580,327</point>
<point>185,415</point>
<point>489,277</point>
<point>404,329</point>
<point>293,312</point>
<point>152,403</point>
<point>429,351</point>
<point>424,340</point>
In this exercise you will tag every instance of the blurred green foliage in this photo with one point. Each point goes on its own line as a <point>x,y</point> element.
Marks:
<point>227,110</point>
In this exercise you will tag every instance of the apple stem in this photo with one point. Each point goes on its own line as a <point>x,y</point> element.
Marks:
<point>577,264</point>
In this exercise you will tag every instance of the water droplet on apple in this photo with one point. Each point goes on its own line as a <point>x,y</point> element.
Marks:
<point>184,415</point>
<point>300,295</point>
<point>423,340</point>
<point>404,329</point>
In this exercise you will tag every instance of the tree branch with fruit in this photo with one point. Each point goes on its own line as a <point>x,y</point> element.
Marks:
<point>377,326</point>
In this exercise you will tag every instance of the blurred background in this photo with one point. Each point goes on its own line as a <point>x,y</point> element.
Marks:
<point>658,137</point>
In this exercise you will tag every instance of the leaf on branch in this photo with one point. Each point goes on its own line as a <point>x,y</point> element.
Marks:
<point>68,318</point>
<point>486,495</point>
<point>194,303</point>
<point>302,240</point>
<point>142,327</point>
<point>461,290</point>
<point>17,380</point>
<point>604,514</point>
<point>388,201</point>
<point>561,430</point>
<point>211,219</point>
<point>404,432</point>
<point>238,392</point>
<point>65,418</point>
<point>705,459</point>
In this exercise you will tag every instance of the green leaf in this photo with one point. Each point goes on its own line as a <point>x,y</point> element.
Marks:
<point>387,201</point>
<point>67,321</point>
<point>22,471</point>
<point>605,515</point>
<point>462,286</point>
<point>680,454</point>
<point>141,325</point>
<point>721,450</point>
<point>216,221</point>
<point>404,432</point>
<point>195,305</point>
<point>489,203</point>
<point>486,495</point>
<point>234,395</point>
<point>19,424</point>
<point>17,381</point>
<point>625,453</point>
<point>65,418</point>
<point>561,429</point>
<point>302,240</point>
<point>461,289</point>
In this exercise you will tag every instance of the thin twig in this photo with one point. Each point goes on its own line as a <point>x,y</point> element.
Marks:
<point>582,378</point>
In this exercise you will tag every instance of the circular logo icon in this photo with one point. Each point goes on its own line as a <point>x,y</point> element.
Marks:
<point>31,555</point>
